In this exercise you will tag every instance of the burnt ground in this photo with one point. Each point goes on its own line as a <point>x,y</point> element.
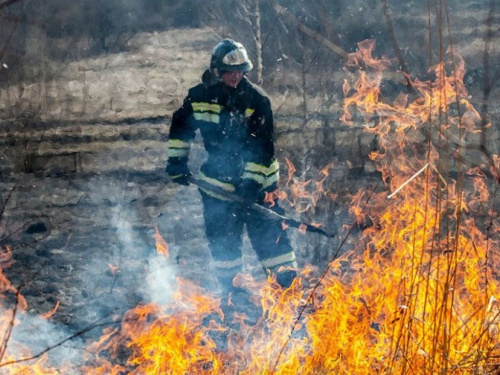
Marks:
<point>82,228</point>
<point>86,243</point>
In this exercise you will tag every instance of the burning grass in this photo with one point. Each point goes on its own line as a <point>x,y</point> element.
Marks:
<point>418,294</point>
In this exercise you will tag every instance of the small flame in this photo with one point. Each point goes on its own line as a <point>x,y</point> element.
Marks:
<point>113,269</point>
<point>302,195</point>
<point>303,228</point>
<point>49,314</point>
<point>161,245</point>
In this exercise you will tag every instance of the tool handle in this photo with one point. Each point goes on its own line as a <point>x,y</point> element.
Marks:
<point>259,208</point>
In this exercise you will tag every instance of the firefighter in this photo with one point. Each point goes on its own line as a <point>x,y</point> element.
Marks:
<point>235,120</point>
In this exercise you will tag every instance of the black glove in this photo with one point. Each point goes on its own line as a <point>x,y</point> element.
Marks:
<point>250,191</point>
<point>178,173</point>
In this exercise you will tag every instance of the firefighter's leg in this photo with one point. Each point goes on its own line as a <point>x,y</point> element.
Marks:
<point>223,229</point>
<point>273,248</point>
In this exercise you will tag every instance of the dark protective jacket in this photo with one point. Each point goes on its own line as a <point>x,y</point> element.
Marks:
<point>237,128</point>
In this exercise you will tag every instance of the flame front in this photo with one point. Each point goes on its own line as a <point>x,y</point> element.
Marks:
<point>420,292</point>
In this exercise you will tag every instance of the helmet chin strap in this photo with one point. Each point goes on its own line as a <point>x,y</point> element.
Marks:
<point>217,73</point>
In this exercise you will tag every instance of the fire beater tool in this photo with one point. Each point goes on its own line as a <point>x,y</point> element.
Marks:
<point>260,209</point>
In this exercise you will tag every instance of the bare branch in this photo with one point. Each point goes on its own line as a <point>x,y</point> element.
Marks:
<point>394,41</point>
<point>313,34</point>
<point>9,195</point>
<point>5,343</point>
<point>322,14</point>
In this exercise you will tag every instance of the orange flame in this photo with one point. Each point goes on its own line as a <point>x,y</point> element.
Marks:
<point>161,245</point>
<point>302,195</point>
<point>50,313</point>
<point>169,339</point>
<point>113,269</point>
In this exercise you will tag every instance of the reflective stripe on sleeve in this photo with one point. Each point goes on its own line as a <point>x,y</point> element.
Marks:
<point>262,180</point>
<point>265,176</point>
<point>208,112</point>
<point>206,107</point>
<point>208,117</point>
<point>178,148</point>
<point>262,169</point>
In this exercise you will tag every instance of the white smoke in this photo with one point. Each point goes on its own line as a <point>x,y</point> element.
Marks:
<point>33,336</point>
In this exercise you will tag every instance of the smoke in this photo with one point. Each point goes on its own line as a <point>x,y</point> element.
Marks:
<point>33,335</point>
<point>141,275</point>
<point>160,280</point>
<point>153,275</point>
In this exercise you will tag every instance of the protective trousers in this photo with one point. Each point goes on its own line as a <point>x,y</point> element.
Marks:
<point>224,223</point>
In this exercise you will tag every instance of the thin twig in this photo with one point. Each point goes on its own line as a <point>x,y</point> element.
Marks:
<point>407,181</point>
<point>397,51</point>
<point>8,332</point>
<point>9,195</point>
<point>439,174</point>
<point>313,34</point>
<point>18,230</point>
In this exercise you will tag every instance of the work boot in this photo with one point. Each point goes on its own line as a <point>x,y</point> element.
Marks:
<point>285,278</point>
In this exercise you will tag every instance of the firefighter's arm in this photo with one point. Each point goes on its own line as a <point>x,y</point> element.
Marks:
<point>261,172</point>
<point>180,137</point>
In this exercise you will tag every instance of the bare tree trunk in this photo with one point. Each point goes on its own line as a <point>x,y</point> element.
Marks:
<point>258,42</point>
<point>256,26</point>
